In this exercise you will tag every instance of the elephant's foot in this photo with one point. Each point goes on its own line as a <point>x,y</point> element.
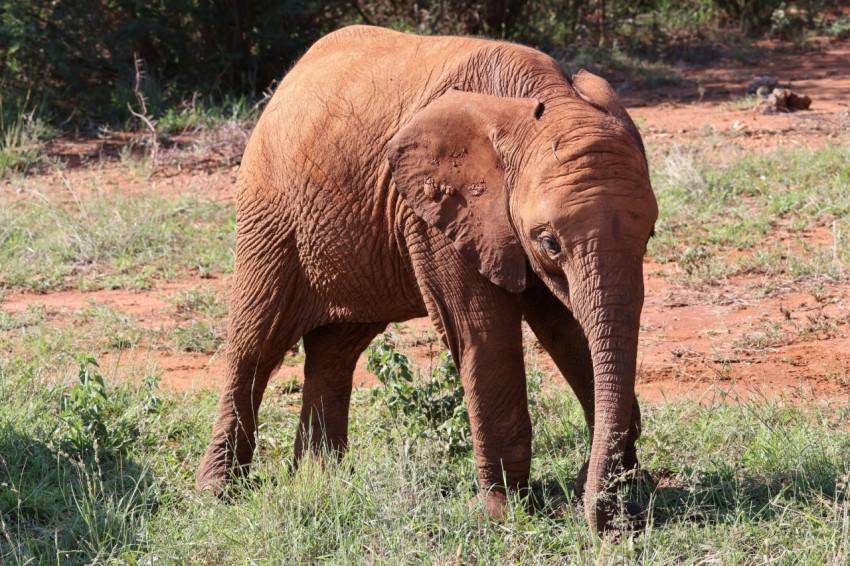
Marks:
<point>632,475</point>
<point>613,516</point>
<point>610,513</point>
<point>217,474</point>
<point>494,500</point>
<point>493,503</point>
<point>213,474</point>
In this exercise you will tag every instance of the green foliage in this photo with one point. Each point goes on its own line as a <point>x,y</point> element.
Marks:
<point>196,336</point>
<point>85,430</point>
<point>204,115</point>
<point>733,474</point>
<point>70,492</point>
<point>200,300</point>
<point>431,407</point>
<point>604,61</point>
<point>749,14</point>
<point>75,60</point>
<point>21,135</point>
<point>840,27</point>
<point>83,414</point>
<point>737,479</point>
<point>78,56</point>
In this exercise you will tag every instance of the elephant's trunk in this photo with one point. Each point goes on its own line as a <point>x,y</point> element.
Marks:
<point>610,316</point>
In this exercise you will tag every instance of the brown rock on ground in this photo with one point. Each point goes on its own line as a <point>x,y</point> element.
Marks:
<point>783,100</point>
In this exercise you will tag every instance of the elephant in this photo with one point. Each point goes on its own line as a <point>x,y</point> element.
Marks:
<point>393,176</point>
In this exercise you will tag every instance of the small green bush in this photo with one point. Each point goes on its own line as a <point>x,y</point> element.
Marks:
<point>196,337</point>
<point>839,28</point>
<point>430,407</point>
<point>22,135</point>
<point>84,414</point>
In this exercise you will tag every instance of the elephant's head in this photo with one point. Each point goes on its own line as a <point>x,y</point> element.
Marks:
<point>563,190</point>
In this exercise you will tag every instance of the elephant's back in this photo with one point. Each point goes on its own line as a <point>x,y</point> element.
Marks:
<point>318,155</point>
<point>362,84</point>
<point>337,108</point>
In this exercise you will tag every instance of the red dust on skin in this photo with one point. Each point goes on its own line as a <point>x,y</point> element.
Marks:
<point>719,342</point>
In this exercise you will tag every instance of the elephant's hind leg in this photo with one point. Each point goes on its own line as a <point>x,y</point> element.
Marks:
<point>331,354</point>
<point>266,318</point>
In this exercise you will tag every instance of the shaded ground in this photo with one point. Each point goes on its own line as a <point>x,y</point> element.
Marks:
<point>793,342</point>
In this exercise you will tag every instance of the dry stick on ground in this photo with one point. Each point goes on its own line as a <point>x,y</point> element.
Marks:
<point>143,115</point>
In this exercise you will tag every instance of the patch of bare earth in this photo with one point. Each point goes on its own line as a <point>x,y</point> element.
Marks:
<point>151,310</point>
<point>722,341</point>
<point>729,341</point>
<point>713,100</point>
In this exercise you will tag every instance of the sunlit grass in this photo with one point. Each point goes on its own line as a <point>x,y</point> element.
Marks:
<point>112,241</point>
<point>718,220</point>
<point>736,480</point>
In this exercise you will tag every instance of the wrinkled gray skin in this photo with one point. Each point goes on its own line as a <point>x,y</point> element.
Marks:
<point>394,176</point>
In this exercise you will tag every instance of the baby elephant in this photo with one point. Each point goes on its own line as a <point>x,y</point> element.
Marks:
<point>393,176</point>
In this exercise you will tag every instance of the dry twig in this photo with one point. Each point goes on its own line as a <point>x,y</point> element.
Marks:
<point>148,120</point>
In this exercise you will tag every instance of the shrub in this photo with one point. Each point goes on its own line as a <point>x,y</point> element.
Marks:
<point>429,407</point>
<point>839,28</point>
<point>78,57</point>
<point>196,337</point>
<point>84,414</point>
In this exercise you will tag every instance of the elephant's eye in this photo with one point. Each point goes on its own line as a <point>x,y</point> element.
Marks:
<point>550,244</point>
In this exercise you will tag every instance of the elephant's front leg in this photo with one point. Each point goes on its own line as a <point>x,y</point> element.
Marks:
<point>482,325</point>
<point>266,318</point>
<point>493,374</point>
<point>563,338</point>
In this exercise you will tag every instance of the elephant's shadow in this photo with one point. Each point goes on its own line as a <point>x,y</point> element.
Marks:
<point>52,503</point>
<point>711,498</point>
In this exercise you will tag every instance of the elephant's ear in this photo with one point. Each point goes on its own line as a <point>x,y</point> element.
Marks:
<point>598,92</point>
<point>448,170</point>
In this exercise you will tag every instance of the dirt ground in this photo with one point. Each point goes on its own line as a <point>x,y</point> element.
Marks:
<point>723,341</point>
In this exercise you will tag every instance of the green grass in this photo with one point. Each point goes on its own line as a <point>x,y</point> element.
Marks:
<point>203,313</point>
<point>740,483</point>
<point>112,241</point>
<point>198,301</point>
<point>33,337</point>
<point>200,115</point>
<point>603,61</point>
<point>720,220</point>
<point>196,336</point>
